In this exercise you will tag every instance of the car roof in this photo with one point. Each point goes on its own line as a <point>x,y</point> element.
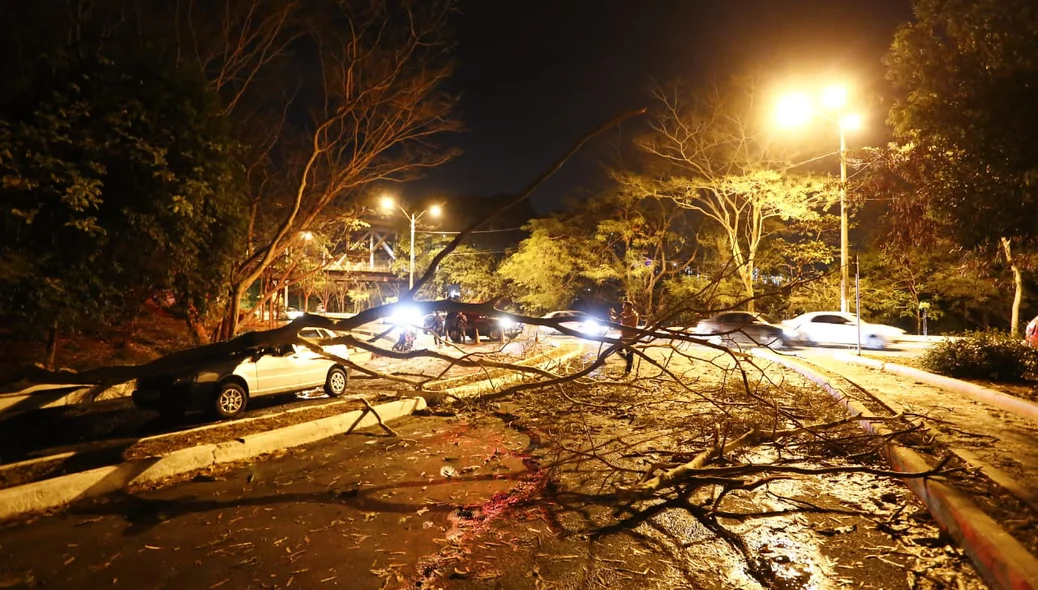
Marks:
<point>814,314</point>
<point>563,313</point>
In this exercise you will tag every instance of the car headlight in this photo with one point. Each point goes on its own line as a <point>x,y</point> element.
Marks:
<point>591,327</point>
<point>405,315</point>
<point>506,323</point>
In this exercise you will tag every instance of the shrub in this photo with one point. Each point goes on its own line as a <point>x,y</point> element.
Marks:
<point>991,355</point>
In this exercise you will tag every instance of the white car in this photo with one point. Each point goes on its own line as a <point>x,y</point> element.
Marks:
<point>836,327</point>
<point>225,386</point>
<point>575,320</point>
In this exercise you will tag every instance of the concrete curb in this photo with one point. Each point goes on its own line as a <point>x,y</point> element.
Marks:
<point>1001,560</point>
<point>498,378</point>
<point>56,492</point>
<point>1002,401</point>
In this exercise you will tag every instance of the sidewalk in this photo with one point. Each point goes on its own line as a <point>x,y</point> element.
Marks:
<point>993,520</point>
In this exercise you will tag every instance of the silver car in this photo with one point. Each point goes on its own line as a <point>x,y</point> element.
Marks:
<point>225,386</point>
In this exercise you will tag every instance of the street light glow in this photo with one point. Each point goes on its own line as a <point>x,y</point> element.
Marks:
<point>834,97</point>
<point>435,210</point>
<point>797,109</point>
<point>793,110</point>
<point>851,122</point>
<point>307,236</point>
<point>387,203</point>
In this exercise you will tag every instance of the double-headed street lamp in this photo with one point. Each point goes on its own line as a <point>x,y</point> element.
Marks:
<point>797,109</point>
<point>388,203</point>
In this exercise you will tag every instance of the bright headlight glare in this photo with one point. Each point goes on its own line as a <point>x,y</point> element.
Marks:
<point>506,323</point>
<point>405,316</point>
<point>591,327</point>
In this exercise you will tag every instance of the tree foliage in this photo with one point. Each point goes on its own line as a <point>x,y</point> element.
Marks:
<point>710,153</point>
<point>119,183</point>
<point>966,75</point>
<point>621,242</point>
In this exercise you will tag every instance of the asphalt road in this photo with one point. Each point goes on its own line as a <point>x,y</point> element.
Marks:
<point>461,502</point>
<point>350,512</point>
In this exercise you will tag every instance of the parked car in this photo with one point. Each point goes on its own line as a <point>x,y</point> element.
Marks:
<point>225,386</point>
<point>1031,332</point>
<point>460,325</point>
<point>575,320</point>
<point>837,327</point>
<point>745,328</point>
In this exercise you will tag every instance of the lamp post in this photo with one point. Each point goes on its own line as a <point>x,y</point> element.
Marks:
<point>797,109</point>
<point>387,204</point>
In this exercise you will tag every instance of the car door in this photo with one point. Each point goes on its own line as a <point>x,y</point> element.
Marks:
<point>835,329</point>
<point>277,372</point>
<point>313,368</point>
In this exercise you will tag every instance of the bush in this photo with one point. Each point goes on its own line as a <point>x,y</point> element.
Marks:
<point>994,356</point>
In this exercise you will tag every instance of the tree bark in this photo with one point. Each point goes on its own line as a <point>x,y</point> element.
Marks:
<point>1018,287</point>
<point>52,346</point>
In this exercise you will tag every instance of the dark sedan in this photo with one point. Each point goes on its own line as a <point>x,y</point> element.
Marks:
<point>460,325</point>
<point>743,328</point>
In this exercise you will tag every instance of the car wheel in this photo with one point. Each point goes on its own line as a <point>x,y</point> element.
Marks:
<point>496,335</point>
<point>455,335</point>
<point>230,401</point>
<point>874,342</point>
<point>335,384</point>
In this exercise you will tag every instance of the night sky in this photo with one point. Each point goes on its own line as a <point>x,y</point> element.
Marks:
<point>534,75</point>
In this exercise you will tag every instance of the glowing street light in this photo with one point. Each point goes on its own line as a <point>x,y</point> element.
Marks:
<point>387,204</point>
<point>797,109</point>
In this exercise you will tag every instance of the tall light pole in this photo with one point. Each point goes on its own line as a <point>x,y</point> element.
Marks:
<point>797,109</point>
<point>387,204</point>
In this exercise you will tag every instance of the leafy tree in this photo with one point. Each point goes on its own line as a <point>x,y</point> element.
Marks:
<point>710,154</point>
<point>546,271</point>
<point>634,242</point>
<point>966,73</point>
<point>119,183</point>
<point>475,271</point>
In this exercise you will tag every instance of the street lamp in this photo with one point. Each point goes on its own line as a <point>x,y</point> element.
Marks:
<point>797,109</point>
<point>388,204</point>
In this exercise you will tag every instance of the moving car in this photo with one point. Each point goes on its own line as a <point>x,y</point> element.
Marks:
<point>225,386</point>
<point>575,320</point>
<point>460,325</point>
<point>837,327</point>
<point>745,328</point>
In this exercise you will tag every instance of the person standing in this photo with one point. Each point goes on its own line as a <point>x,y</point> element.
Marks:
<point>628,318</point>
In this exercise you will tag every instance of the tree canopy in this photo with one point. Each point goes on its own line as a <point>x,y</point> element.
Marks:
<point>119,183</point>
<point>966,78</point>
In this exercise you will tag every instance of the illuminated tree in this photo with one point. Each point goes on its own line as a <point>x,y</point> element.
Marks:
<point>710,154</point>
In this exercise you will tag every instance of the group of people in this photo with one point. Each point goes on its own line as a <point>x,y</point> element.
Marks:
<point>436,324</point>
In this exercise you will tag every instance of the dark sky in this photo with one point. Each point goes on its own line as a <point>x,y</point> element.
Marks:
<point>536,74</point>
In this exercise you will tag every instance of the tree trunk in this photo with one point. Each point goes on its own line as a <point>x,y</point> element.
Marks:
<point>52,346</point>
<point>1018,288</point>
<point>747,281</point>
<point>197,326</point>
<point>229,326</point>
